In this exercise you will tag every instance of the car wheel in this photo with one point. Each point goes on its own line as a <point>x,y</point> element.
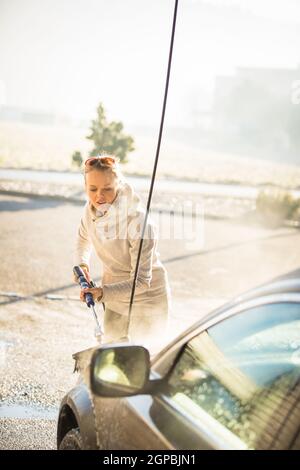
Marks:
<point>72,441</point>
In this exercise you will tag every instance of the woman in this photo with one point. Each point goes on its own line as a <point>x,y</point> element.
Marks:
<point>112,223</point>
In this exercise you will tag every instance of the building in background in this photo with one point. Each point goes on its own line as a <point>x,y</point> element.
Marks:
<point>254,109</point>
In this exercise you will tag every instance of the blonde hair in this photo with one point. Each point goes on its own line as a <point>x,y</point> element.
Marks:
<point>103,163</point>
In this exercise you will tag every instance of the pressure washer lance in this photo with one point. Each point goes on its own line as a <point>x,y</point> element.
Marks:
<point>88,297</point>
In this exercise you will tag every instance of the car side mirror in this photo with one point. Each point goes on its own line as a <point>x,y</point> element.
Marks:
<point>119,370</point>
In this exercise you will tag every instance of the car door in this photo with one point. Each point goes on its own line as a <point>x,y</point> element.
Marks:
<point>234,385</point>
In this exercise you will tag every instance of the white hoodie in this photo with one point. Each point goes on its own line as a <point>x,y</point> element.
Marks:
<point>115,237</point>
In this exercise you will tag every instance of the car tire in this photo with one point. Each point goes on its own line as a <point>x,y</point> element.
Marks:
<point>72,441</point>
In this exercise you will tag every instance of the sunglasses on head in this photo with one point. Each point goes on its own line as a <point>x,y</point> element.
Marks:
<point>108,161</point>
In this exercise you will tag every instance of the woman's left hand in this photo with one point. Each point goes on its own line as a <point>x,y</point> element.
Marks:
<point>95,291</point>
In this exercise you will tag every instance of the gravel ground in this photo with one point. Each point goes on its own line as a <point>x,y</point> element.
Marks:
<point>29,434</point>
<point>37,367</point>
<point>35,331</point>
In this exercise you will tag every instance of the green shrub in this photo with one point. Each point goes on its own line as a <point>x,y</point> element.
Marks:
<point>276,205</point>
<point>77,159</point>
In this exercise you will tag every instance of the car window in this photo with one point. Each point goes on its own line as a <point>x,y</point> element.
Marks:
<point>244,372</point>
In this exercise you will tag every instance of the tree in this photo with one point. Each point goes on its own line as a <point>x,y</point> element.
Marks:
<point>77,159</point>
<point>109,138</point>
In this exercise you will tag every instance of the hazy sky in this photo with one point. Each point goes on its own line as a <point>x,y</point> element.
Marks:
<point>67,55</point>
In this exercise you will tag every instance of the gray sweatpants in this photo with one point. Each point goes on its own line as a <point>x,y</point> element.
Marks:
<point>148,326</point>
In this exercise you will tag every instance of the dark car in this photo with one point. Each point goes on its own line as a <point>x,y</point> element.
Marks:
<point>231,381</point>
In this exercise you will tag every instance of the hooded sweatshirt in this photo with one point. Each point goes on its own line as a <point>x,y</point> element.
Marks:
<point>115,235</point>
